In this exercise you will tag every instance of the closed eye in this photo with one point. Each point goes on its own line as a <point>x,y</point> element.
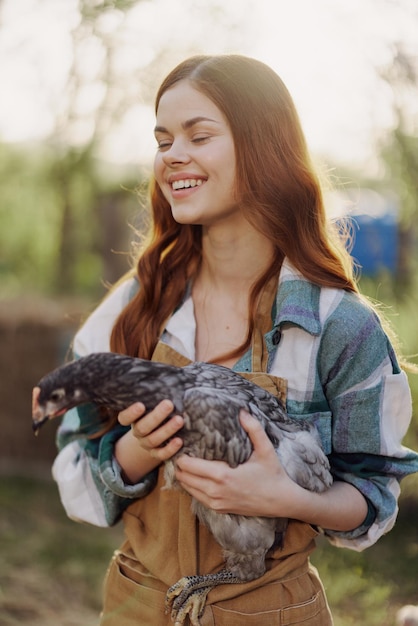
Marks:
<point>164,145</point>
<point>200,139</point>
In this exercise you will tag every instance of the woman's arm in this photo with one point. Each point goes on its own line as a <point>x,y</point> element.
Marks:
<point>348,382</point>
<point>261,487</point>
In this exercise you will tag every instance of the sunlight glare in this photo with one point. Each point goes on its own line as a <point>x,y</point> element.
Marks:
<point>328,53</point>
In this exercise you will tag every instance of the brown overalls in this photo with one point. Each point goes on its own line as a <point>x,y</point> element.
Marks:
<point>166,542</point>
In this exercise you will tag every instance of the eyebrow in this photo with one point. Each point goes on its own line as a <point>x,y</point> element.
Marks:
<point>188,123</point>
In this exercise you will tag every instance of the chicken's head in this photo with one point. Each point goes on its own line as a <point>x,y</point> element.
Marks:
<point>52,401</point>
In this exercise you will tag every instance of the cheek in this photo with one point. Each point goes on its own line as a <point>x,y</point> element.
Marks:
<point>229,168</point>
<point>231,185</point>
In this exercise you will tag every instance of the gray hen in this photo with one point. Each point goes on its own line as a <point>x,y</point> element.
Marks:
<point>210,398</point>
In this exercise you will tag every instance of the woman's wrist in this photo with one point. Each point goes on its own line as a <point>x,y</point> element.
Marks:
<point>134,461</point>
<point>341,508</point>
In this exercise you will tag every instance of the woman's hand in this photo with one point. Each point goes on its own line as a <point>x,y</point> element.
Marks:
<point>150,441</point>
<point>154,433</point>
<point>261,487</point>
<point>248,489</point>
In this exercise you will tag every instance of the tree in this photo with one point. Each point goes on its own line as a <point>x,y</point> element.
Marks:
<point>400,154</point>
<point>115,61</point>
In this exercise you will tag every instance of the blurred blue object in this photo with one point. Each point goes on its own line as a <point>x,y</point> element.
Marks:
<point>376,243</point>
<point>373,221</point>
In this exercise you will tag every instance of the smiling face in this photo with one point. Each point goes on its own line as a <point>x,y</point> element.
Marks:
<point>195,162</point>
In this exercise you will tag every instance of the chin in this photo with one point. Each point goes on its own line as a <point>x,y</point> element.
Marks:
<point>186,217</point>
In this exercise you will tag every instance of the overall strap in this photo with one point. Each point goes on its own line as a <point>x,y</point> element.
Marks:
<point>262,324</point>
<point>166,354</point>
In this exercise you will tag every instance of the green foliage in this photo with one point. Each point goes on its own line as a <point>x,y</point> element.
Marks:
<point>27,221</point>
<point>54,238</point>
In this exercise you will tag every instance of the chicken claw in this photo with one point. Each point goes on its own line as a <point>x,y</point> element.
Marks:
<point>182,601</point>
<point>188,595</point>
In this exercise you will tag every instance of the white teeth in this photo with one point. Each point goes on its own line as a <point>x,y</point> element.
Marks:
<point>185,184</point>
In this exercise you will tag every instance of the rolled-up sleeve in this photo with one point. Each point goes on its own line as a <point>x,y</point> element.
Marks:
<point>89,479</point>
<point>370,401</point>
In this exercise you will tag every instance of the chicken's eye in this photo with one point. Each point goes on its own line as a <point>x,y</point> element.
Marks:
<point>57,395</point>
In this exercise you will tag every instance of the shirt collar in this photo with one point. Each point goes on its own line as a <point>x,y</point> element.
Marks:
<point>180,330</point>
<point>297,301</point>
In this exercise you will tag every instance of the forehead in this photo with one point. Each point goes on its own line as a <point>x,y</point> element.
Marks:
<point>183,102</point>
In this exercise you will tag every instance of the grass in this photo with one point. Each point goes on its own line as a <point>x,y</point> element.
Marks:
<point>51,569</point>
<point>368,588</point>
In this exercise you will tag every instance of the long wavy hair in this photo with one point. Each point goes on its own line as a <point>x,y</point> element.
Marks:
<point>278,190</point>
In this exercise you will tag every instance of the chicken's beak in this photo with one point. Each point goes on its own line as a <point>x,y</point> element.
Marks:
<point>36,424</point>
<point>38,414</point>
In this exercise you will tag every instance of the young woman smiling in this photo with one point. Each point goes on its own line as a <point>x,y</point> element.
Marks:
<point>242,268</point>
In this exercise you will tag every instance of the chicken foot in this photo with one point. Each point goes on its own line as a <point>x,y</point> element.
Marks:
<point>188,595</point>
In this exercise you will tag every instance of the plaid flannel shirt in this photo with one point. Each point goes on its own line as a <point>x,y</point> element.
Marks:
<point>342,375</point>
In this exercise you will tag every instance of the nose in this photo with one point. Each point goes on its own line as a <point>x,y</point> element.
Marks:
<point>176,154</point>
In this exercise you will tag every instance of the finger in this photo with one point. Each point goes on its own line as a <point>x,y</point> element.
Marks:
<point>189,477</point>
<point>201,474</point>
<point>161,435</point>
<point>166,452</point>
<point>199,467</point>
<point>188,467</point>
<point>154,419</point>
<point>261,443</point>
<point>131,414</point>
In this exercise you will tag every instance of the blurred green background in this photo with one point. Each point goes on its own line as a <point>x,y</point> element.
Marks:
<point>77,84</point>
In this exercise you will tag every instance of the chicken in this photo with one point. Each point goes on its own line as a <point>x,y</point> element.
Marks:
<point>210,398</point>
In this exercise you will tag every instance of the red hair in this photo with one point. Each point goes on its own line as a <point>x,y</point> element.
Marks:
<point>278,191</point>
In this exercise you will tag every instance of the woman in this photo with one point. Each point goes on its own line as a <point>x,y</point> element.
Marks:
<point>241,269</point>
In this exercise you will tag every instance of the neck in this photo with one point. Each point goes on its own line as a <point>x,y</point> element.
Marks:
<point>233,260</point>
